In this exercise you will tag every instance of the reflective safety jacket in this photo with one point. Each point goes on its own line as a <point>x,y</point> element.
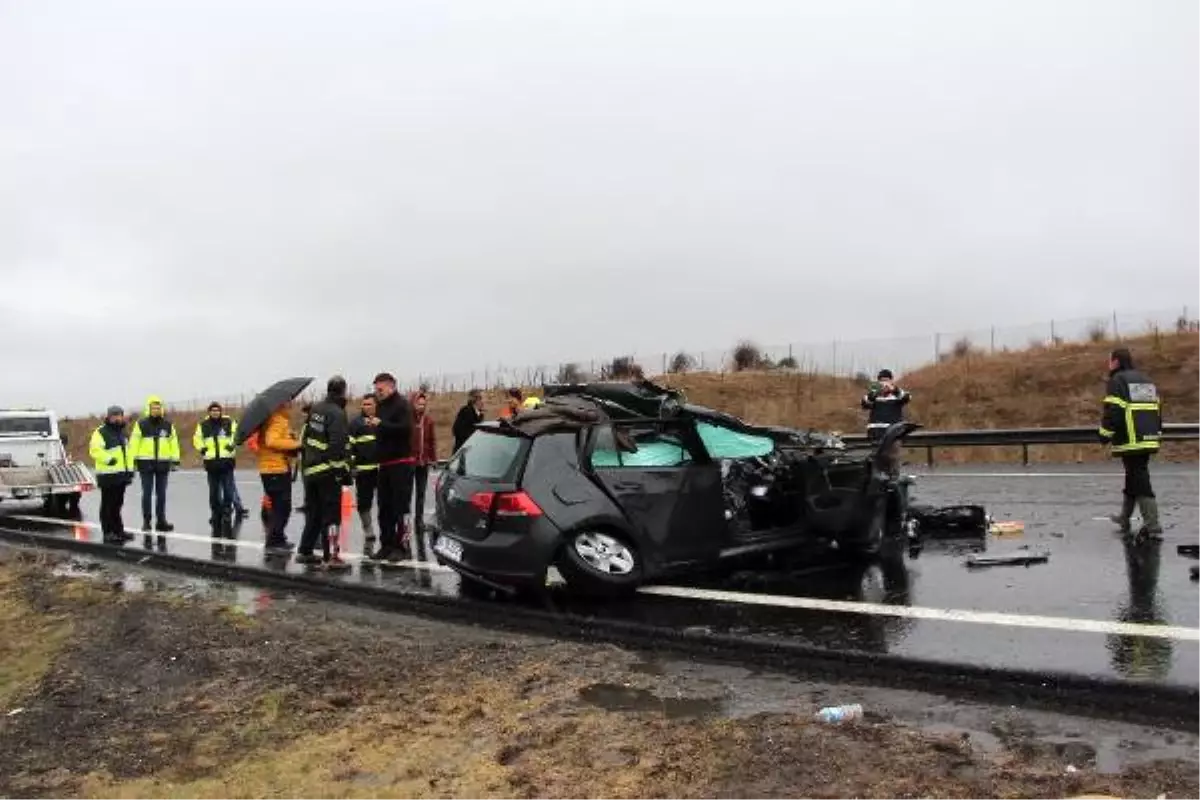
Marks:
<point>325,436</point>
<point>885,409</point>
<point>1132,416</point>
<point>109,449</point>
<point>213,440</point>
<point>154,443</point>
<point>364,448</point>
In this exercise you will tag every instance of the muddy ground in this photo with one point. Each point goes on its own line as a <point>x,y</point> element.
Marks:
<point>108,692</point>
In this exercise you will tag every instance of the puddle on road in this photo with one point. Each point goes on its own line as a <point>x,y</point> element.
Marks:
<point>615,697</point>
<point>246,599</point>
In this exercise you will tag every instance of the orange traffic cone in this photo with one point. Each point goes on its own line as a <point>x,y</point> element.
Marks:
<point>347,515</point>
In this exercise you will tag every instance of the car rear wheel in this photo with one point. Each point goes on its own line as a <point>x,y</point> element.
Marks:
<point>599,561</point>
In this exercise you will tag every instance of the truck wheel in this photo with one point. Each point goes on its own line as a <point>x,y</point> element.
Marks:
<point>600,562</point>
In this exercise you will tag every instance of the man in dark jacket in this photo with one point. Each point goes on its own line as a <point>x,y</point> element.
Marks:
<point>325,471</point>
<point>393,426</point>
<point>468,417</point>
<point>364,463</point>
<point>1132,423</point>
<point>885,401</point>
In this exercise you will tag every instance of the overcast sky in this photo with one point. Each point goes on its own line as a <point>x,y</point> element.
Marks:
<point>200,197</point>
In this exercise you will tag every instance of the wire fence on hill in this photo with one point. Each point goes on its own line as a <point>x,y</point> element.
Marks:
<point>843,358</point>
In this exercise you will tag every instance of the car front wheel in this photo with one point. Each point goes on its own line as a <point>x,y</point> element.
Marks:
<point>600,562</point>
<point>868,540</point>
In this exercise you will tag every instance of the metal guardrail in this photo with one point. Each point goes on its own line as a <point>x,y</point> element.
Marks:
<point>1022,437</point>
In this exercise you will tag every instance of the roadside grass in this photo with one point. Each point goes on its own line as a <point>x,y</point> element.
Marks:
<point>1040,386</point>
<point>32,638</point>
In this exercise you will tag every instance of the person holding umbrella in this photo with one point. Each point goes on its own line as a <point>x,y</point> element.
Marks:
<point>267,418</point>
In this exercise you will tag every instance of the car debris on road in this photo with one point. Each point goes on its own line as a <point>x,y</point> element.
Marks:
<point>1020,558</point>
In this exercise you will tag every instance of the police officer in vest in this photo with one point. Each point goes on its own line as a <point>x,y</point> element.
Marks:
<point>325,471</point>
<point>364,463</point>
<point>213,440</point>
<point>1132,423</point>
<point>109,449</point>
<point>154,445</point>
<point>885,401</point>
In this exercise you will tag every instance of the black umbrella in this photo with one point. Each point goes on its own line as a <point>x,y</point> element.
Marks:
<point>264,404</point>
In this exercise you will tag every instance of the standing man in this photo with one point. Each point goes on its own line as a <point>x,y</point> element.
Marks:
<point>325,471</point>
<point>425,453</point>
<point>1132,423</point>
<point>512,404</point>
<point>154,446</point>
<point>213,440</point>
<point>364,463</point>
<point>109,449</point>
<point>885,402</point>
<point>468,417</point>
<point>393,426</point>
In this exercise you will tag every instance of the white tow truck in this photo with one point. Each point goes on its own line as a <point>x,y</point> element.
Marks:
<point>34,464</point>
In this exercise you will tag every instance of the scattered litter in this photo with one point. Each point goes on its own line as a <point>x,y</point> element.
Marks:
<point>1009,528</point>
<point>1072,769</point>
<point>16,711</point>
<point>1021,558</point>
<point>1194,573</point>
<point>840,713</point>
<point>1189,550</point>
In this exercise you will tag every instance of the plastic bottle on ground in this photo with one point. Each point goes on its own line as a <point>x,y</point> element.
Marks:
<point>844,713</point>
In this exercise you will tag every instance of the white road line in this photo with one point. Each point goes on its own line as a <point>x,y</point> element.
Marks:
<point>778,601</point>
<point>190,537</point>
<point>918,612</point>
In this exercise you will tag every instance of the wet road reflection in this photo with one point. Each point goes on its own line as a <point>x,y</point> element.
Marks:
<point>1091,575</point>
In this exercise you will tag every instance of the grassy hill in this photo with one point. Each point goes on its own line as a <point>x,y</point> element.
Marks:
<point>1041,386</point>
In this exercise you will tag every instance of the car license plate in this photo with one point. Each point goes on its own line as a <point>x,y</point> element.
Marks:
<point>448,548</point>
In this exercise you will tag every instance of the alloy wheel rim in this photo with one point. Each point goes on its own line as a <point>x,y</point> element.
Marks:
<point>604,553</point>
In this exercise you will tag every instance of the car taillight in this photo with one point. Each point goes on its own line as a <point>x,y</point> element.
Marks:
<point>506,504</point>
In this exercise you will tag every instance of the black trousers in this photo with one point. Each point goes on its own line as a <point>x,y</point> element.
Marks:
<point>279,489</point>
<point>322,504</point>
<point>365,484</point>
<point>112,498</point>
<point>221,487</point>
<point>395,487</point>
<point>1137,475</point>
<point>420,482</point>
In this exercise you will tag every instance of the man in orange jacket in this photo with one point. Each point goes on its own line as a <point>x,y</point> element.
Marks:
<point>277,446</point>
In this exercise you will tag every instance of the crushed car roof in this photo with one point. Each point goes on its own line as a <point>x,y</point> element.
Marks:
<point>570,407</point>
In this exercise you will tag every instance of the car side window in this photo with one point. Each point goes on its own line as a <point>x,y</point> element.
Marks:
<point>658,444</point>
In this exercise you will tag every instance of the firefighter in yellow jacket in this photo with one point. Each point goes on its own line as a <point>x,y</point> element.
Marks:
<point>154,447</point>
<point>1132,423</point>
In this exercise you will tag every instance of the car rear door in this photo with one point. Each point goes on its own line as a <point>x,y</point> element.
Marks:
<point>669,490</point>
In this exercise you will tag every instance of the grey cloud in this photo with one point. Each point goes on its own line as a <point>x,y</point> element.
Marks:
<point>252,189</point>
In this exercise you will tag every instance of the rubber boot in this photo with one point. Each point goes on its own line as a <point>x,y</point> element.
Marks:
<point>1151,527</point>
<point>164,526</point>
<point>145,524</point>
<point>1122,520</point>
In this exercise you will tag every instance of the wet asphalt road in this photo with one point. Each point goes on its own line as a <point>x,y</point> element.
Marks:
<point>1091,575</point>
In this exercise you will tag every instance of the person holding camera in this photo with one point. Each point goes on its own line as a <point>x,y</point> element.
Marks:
<point>885,402</point>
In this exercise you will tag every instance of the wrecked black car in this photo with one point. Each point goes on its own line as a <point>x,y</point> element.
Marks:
<point>618,483</point>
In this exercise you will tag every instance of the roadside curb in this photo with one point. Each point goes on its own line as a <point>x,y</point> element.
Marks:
<point>1164,705</point>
